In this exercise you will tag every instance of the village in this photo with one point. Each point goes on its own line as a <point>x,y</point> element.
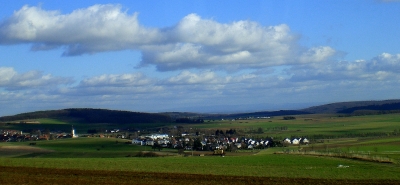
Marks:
<point>215,140</point>
<point>212,142</point>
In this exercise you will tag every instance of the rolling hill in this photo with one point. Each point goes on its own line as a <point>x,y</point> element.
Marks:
<point>88,115</point>
<point>350,107</point>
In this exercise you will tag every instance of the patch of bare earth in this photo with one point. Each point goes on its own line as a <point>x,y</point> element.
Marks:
<point>30,175</point>
<point>20,150</point>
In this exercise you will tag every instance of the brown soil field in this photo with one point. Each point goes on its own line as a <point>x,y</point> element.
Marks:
<point>20,150</point>
<point>29,175</point>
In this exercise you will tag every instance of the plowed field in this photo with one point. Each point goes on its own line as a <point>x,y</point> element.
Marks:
<point>29,175</point>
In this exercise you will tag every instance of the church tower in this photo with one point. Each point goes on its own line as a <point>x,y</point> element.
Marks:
<point>73,132</point>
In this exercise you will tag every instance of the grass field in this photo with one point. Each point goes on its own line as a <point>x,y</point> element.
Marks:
<point>94,159</point>
<point>259,165</point>
<point>303,125</point>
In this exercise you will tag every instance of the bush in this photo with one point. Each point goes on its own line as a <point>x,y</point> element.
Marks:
<point>146,154</point>
<point>289,117</point>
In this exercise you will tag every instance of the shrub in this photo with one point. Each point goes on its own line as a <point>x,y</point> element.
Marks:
<point>146,154</point>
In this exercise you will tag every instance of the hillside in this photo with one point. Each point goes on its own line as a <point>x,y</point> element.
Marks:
<point>92,116</point>
<point>350,107</point>
<point>87,115</point>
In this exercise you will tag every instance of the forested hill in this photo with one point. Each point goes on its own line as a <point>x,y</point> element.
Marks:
<point>92,116</point>
<point>376,108</point>
<point>351,107</point>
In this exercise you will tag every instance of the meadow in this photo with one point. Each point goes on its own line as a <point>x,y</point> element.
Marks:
<point>312,125</point>
<point>88,157</point>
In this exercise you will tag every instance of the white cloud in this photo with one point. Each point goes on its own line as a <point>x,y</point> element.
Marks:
<point>187,77</point>
<point>193,42</point>
<point>201,43</point>
<point>10,79</point>
<point>233,37</point>
<point>318,54</point>
<point>94,29</point>
<point>383,67</point>
<point>114,85</point>
<point>385,62</point>
<point>137,79</point>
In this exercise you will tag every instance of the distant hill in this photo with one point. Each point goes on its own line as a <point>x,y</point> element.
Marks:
<point>372,108</point>
<point>92,116</point>
<point>350,107</point>
<point>87,115</point>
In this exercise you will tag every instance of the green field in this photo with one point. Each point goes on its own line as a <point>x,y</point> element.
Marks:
<point>255,165</point>
<point>293,162</point>
<point>329,125</point>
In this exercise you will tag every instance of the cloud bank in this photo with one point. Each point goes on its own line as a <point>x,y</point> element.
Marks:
<point>299,83</point>
<point>193,42</point>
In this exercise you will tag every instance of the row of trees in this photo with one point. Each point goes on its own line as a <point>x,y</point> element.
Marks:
<point>189,120</point>
<point>227,132</point>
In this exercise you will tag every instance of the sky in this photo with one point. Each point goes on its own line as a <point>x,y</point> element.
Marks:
<point>196,56</point>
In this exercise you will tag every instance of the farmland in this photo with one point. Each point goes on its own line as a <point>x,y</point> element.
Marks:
<point>111,160</point>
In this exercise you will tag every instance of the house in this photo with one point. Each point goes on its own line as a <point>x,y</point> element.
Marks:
<point>305,141</point>
<point>296,141</point>
<point>162,141</point>
<point>137,142</point>
<point>150,142</point>
<point>287,141</point>
<point>157,136</point>
<point>238,145</point>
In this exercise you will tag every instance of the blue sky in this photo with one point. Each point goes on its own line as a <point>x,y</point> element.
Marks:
<point>202,56</point>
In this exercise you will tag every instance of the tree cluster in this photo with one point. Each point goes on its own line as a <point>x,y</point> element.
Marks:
<point>189,120</point>
<point>289,117</point>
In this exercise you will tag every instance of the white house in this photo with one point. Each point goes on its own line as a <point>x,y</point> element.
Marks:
<point>162,141</point>
<point>286,141</point>
<point>150,142</point>
<point>296,141</point>
<point>305,141</point>
<point>137,142</point>
<point>157,136</point>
